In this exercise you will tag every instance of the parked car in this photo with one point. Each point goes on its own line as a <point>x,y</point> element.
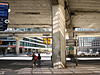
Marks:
<point>80,53</point>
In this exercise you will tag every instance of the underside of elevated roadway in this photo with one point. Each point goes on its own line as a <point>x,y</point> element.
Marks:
<point>56,14</point>
<point>38,14</point>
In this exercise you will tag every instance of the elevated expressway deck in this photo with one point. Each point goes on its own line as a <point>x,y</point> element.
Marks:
<point>26,34</point>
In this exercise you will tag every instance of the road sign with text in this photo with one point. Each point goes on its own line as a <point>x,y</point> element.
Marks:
<point>3,15</point>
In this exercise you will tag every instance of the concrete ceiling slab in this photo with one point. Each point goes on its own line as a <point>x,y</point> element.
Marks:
<point>88,20</point>
<point>29,13</point>
<point>84,5</point>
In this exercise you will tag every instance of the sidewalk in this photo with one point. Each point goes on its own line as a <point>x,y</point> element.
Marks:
<point>51,71</point>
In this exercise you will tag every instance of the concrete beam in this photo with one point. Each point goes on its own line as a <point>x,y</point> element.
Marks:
<point>29,26</point>
<point>87,33</point>
<point>54,2</point>
<point>26,34</point>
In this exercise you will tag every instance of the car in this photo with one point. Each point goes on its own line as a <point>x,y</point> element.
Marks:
<point>80,53</point>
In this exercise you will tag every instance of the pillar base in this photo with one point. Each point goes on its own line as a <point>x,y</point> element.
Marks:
<point>58,65</point>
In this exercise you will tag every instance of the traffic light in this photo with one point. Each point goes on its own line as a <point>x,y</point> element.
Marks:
<point>0,41</point>
<point>44,40</point>
<point>49,41</point>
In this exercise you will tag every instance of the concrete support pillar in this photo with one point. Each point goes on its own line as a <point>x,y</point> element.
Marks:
<point>23,50</point>
<point>17,44</point>
<point>70,35</point>
<point>59,46</point>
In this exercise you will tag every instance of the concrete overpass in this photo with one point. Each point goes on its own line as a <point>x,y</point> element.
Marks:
<point>26,34</point>
<point>58,15</point>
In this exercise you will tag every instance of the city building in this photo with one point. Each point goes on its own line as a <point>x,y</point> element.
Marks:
<point>88,43</point>
<point>27,44</point>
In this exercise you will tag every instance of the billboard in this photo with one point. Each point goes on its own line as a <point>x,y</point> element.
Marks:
<point>4,6</point>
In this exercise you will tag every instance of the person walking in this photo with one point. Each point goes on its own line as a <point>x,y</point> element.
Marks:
<point>39,60</point>
<point>3,52</point>
<point>34,58</point>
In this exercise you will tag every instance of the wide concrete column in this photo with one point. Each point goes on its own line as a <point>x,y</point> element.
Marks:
<point>17,44</point>
<point>59,46</point>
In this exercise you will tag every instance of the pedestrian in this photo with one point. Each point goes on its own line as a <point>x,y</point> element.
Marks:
<point>51,57</point>
<point>34,58</point>
<point>3,52</point>
<point>39,60</point>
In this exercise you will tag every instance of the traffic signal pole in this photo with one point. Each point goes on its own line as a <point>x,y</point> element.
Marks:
<point>47,43</point>
<point>76,52</point>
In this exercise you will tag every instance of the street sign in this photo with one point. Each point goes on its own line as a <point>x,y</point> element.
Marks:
<point>71,48</point>
<point>72,42</point>
<point>3,15</point>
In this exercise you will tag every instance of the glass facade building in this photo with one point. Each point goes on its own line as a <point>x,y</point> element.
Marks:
<point>88,43</point>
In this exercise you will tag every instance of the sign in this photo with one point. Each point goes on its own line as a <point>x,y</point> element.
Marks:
<point>3,15</point>
<point>71,48</point>
<point>15,46</point>
<point>72,42</point>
